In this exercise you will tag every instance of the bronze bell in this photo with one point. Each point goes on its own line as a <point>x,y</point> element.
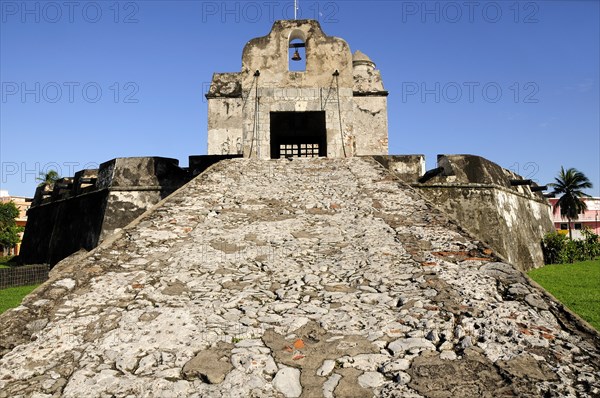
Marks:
<point>296,56</point>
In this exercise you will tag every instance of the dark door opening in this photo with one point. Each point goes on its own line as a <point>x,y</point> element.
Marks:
<point>298,134</point>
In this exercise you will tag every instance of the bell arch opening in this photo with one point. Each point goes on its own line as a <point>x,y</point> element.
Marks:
<point>297,51</point>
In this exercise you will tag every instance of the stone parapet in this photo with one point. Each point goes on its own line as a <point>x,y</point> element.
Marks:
<point>80,211</point>
<point>482,198</point>
<point>408,168</point>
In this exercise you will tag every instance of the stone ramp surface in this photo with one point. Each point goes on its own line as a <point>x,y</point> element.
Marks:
<point>283,278</point>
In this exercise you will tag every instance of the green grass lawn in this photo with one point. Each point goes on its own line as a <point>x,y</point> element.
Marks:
<point>12,297</point>
<point>576,285</point>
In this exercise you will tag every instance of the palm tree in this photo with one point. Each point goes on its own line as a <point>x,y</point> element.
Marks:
<point>48,178</point>
<point>570,184</point>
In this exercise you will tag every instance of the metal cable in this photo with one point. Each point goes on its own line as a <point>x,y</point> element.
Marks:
<point>337,82</point>
<point>255,127</point>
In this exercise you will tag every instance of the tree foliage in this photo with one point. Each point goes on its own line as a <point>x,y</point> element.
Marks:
<point>9,230</point>
<point>48,178</point>
<point>570,185</point>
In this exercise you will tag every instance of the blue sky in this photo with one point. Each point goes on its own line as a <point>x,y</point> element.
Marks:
<point>86,81</point>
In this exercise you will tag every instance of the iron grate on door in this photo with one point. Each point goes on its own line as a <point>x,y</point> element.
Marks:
<point>299,150</point>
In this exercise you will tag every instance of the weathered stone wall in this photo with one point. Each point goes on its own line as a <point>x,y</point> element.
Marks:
<point>122,207</point>
<point>156,173</point>
<point>303,278</point>
<point>370,107</point>
<point>350,92</point>
<point>316,89</point>
<point>136,184</point>
<point>479,195</point>
<point>408,168</point>
<point>226,132</point>
<point>513,225</point>
<point>300,100</point>
<point>270,55</point>
<point>57,229</point>
<point>199,163</point>
<point>82,213</point>
<point>370,125</point>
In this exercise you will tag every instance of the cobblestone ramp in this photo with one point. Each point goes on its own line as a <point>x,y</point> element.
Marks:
<point>294,278</point>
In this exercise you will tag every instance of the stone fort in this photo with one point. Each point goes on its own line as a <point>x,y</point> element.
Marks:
<point>297,259</point>
<point>335,107</point>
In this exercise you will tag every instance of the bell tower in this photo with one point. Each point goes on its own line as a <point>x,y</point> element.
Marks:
<point>333,104</point>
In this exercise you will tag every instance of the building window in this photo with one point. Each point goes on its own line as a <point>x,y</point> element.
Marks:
<point>564,226</point>
<point>577,225</point>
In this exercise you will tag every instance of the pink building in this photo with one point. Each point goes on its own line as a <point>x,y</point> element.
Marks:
<point>590,218</point>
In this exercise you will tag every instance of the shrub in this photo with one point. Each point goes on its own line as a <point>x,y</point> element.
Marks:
<point>592,244</point>
<point>553,245</point>
<point>573,251</point>
<point>559,249</point>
